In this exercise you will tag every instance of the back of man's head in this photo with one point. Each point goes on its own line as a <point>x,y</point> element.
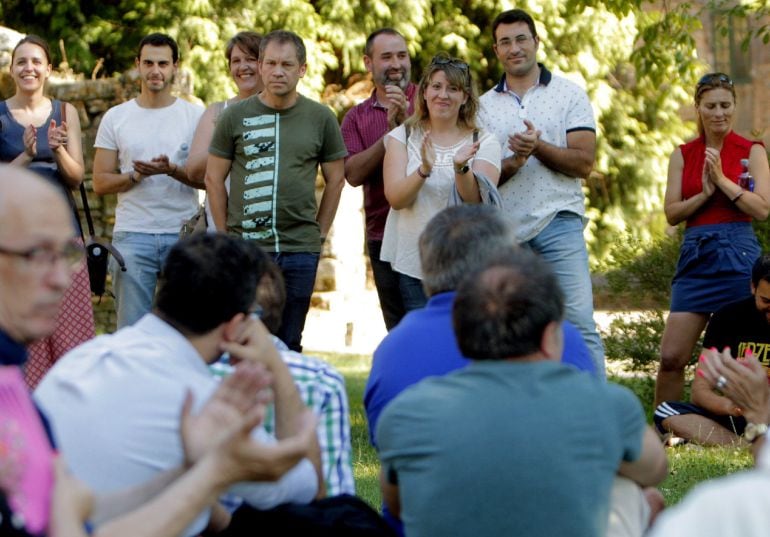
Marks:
<point>761,270</point>
<point>461,240</point>
<point>503,310</point>
<point>271,297</point>
<point>207,279</point>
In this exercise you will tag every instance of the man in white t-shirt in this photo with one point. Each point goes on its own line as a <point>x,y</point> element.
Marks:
<point>141,147</point>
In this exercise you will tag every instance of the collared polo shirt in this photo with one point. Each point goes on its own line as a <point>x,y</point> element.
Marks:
<point>556,107</point>
<point>364,125</point>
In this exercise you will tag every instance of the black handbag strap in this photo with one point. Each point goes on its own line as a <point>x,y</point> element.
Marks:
<point>87,210</point>
<point>110,248</point>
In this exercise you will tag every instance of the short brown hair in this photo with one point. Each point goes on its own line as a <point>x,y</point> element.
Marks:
<point>284,36</point>
<point>271,296</point>
<point>33,39</point>
<point>246,41</point>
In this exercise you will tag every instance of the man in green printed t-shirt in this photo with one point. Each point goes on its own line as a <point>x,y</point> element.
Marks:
<point>271,145</point>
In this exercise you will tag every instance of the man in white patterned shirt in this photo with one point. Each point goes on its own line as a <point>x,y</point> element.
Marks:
<point>546,126</point>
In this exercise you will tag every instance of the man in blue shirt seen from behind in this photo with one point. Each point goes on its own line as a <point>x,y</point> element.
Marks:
<point>516,443</point>
<point>456,242</point>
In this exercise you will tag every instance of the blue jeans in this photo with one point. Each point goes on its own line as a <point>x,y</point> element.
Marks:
<point>134,289</point>
<point>562,245</point>
<point>412,292</point>
<point>299,270</point>
<point>386,280</point>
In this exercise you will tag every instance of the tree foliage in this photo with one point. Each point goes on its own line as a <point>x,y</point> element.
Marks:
<point>637,61</point>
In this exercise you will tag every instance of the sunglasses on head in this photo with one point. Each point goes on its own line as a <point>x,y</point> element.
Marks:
<point>711,79</point>
<point>454,62</point>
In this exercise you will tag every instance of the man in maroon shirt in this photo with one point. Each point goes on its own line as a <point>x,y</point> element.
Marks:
<point>363,129</point>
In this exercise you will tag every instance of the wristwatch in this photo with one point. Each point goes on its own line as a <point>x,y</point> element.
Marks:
<point>463,170</point>
<point>753,431</point>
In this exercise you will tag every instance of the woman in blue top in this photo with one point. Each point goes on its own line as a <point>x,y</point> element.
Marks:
<point>43,135</point>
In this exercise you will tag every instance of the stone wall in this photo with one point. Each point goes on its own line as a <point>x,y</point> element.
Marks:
<point>91,98</point>
<point>342,273</point>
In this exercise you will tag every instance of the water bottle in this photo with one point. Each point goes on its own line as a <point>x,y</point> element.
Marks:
<point>180,158</point>
<point>745,179</point>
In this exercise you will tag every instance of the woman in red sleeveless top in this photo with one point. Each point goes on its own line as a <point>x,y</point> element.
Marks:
<point>719,245</point>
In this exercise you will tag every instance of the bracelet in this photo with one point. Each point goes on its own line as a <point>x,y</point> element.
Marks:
<point>738,195</point>
<point>422,175</point>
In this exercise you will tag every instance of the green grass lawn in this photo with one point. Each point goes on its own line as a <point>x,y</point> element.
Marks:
<point>688,465</point>
<point>366,465</point>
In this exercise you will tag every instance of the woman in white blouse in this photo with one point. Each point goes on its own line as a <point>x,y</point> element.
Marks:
<point>439,148</point>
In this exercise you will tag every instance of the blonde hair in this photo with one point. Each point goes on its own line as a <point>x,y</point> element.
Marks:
<point>708,82</point>
<point>458,73</point>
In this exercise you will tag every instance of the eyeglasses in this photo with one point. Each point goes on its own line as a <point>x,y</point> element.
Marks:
<point>453,62</point>
<point>42,258</point>
<point>714,79</point>
<point>520,40</point>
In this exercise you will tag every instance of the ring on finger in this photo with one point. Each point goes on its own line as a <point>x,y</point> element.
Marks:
<point>721,382</point>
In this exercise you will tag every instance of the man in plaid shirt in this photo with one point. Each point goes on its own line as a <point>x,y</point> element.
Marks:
<point>320,386</point>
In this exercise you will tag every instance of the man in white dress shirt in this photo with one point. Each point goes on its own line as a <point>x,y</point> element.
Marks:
<point>115,400</point>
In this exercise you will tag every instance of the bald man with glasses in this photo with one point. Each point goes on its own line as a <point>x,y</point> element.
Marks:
<point>38,495</point>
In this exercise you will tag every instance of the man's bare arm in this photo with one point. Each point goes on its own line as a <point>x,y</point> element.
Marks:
<point>107,179</point>
<point>746,386</point>
<point>359,167</point>
<point>651,467</point>
<point>509,166</point>
<point>254,344</point>
<point>162,165</point>
<point>575,160</point>
<point>390,495</point>
<point>334,176</point>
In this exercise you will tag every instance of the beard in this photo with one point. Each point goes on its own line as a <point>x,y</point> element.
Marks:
<point>165,83</point>
<point>393,77</point>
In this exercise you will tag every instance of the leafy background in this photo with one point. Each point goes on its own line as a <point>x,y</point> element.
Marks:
<point>637,61</point>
